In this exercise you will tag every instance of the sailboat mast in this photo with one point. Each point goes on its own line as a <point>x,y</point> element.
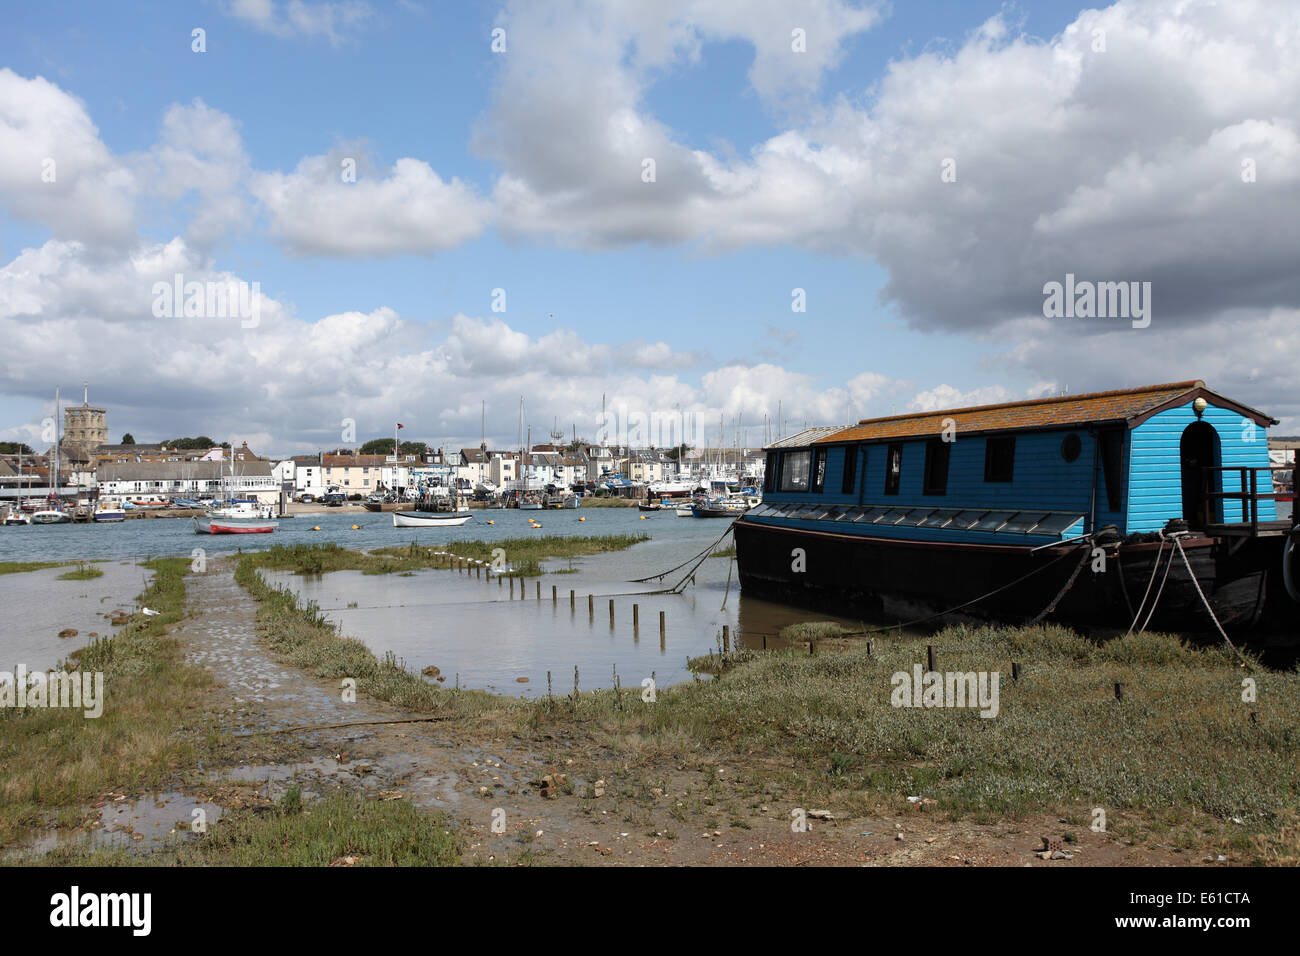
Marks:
<point>54,475</point>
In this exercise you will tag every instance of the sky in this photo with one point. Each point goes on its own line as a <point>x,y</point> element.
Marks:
<point>697,210</point>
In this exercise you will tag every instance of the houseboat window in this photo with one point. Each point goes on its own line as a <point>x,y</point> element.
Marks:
<point>936,467</point>
<point>893,468</point>
<point>795,466</point>
<point>769,472</point>
<point>1071,445</point>
<point>999,458</point>
<point>819,471</point>
<point>850,475</point>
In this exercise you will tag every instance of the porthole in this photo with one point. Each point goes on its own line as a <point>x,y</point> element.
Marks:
<point>1071,446</point>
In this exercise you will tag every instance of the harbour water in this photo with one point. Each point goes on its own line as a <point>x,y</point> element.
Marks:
<point>461,624</point>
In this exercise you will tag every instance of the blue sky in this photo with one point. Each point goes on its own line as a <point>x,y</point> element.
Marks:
<point>387,82</point>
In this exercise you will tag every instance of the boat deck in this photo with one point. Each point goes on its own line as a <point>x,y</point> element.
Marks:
<point>1245,529</point>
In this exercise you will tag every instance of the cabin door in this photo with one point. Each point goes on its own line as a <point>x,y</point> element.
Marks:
<point>1198,450</point>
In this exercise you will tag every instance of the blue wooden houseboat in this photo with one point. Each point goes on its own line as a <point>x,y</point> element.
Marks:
<point>1152,504</point>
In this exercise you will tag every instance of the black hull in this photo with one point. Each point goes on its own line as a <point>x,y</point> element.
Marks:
<point>889,579</point>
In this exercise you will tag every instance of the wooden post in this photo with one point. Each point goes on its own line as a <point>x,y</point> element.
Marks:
<point>1015,670</point>
<point>572,601</point>
<point>929,657</point>
<point>1119,691</point>
<point>555,594</point>
<point>662,627</point>
<point>726,639</point>
<point>539,590</point>
<point>611,612</point>
<point>764,642</point>
<point>868,648</point>
<point>512,589</point>
<point>636,615</point>
<point>591,606</point>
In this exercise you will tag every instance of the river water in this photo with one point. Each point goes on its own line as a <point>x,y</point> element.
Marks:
<point>468,627</point>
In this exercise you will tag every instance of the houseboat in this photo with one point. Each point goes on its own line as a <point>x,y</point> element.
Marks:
<point>1152,505</point>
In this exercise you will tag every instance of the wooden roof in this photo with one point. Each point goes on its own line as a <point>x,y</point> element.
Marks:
<point>1130,406</point>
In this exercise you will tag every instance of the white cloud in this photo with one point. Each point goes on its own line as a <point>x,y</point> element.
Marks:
<point>54,170</point>
<point>409,210</point>
<point>1117,164</point>
<point>334,22</point>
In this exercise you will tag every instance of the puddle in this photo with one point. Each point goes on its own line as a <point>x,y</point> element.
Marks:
<point>38,606</point>
<point>137,825</point>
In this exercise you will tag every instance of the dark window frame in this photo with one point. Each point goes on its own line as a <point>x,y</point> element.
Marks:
<point>817,476</point>
<point>893,467</point>
<point>849,474</point>
<point>1000,465</point>
<point>771,470</point>
<point>937,457</point>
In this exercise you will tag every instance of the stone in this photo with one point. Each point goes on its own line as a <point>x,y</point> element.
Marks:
<point>68,632</point>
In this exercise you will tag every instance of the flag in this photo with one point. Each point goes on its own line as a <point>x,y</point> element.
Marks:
<point>400,425</point>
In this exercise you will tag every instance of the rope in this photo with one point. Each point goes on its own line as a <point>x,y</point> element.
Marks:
<point>662,574</point>
<point>931,617</point>
<point>1196,584</point>
<point>1060,594</point>
<point>1159,591</point>
<point>727,593</point>
<point>1155,569</point>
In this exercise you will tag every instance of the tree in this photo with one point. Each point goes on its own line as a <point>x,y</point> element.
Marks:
<point>202,442</point>
<point>128,439</point>
<point>384,446</point>
<point>15,448</point>
<point>678,453</point>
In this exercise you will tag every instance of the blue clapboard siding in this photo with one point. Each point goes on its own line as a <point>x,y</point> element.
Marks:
<point>1042,479</point>
<point>1155,477</point>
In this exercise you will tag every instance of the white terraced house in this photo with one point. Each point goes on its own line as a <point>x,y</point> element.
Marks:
<point>188,479</point>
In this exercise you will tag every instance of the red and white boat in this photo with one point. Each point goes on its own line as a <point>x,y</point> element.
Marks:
<point>231,516</point>
<point>242,517</point>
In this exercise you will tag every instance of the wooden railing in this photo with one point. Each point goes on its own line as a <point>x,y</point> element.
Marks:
<point>1249,494</point>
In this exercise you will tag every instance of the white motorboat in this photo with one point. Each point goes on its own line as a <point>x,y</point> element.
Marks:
<point>16,517</point>
<point>109,511</point>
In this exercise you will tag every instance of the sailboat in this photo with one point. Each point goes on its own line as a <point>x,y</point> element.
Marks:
<point>15,515</point>
<point>527,502</point>
<point>54,514</point>
<point>228,516</point>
